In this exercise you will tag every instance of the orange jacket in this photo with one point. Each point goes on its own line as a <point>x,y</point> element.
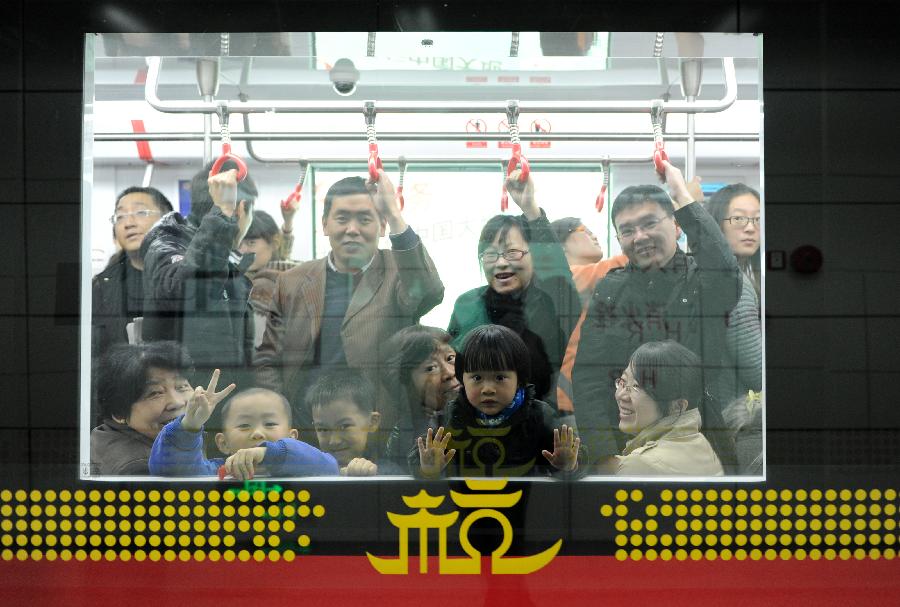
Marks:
<point>586,278</point>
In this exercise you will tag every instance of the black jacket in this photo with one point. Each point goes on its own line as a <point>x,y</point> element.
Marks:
<point>688,301</point>
<point>109,308</point>
<point>550,308</point>
<point>195,291</point>
<point>513,448</point>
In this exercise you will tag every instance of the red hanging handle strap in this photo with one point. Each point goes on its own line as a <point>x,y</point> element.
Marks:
<point>402,162</point>
<point>228,156</point>
<point>372,137</point>
<point>226,149</point>
<point>517,161</point>
<point>296,193</point>
<point>659,151</point>
<point>601,198</point>
<point>374,162</point>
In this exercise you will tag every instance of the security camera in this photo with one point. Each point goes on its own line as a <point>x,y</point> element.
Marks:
<point>344,77</point>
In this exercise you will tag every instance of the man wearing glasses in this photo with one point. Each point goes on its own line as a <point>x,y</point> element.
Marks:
<point>661,293</point>
<point>118,292</point>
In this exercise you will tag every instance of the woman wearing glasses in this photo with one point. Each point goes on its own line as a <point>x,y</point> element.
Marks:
<point>662,406</point>
<point>736,209</point>
<point>529,290</point>
<point>118,291</point>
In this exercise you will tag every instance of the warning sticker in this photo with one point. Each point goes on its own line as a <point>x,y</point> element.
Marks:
<point>475,126</point>
<point>540,125</point>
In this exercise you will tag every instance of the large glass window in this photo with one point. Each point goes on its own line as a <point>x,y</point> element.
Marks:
<point>588,111</point>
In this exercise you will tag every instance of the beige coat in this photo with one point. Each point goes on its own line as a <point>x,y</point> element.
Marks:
<point>672,446</point>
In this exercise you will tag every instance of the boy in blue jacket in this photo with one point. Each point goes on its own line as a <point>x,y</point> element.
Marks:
<point>256,432</point>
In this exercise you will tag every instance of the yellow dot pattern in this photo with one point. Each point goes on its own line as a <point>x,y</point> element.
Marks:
<point>231,524</point>
<point>755,524</point>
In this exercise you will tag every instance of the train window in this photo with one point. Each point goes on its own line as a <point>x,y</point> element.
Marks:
<point>343,224</point>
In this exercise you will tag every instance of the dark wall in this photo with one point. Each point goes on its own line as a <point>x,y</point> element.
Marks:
<point>832,159</point>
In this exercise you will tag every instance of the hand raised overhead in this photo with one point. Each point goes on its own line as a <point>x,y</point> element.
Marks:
<point>522,193</point>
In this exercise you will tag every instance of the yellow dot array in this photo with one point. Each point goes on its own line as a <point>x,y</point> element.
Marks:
<point>151,525</point>
<point>757,524</point>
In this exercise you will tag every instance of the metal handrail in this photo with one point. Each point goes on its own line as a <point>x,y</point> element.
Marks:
<point>412,107</point>
<point>435,136</point>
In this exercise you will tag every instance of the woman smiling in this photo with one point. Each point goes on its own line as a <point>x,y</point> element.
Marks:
<point>662,406</point>
<point>529,287</point>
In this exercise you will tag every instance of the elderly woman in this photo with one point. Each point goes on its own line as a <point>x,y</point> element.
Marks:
<point>138,390</point>
<point>420,379</point>
<point>736,209</point>
<point>529,290</point>
<point>662,406</point>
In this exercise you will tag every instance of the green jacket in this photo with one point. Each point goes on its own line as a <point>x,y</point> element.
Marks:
<point>552,305</point>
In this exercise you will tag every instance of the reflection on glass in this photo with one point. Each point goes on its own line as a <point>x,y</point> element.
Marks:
<point>360,246</point>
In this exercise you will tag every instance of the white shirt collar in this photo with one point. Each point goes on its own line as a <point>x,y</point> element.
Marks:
<point>334,268</point>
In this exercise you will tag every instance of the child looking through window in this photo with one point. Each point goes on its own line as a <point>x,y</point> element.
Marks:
<point>256,433</point>
<point>346,423</point>
<point>496,427</point>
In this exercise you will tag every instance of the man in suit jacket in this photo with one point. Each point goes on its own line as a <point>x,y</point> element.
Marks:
<point>340,310</point>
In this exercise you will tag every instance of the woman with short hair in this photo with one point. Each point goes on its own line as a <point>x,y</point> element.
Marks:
<point>138,389</point>
<point>663,406</point>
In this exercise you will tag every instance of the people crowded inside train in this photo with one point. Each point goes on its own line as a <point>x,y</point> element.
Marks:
<point>663,408</point>
<point>256,436</point>
<point>117,293</point>
<point>736,209</point>
<point>138,389</point>
<point>420,377</point>
<point>341,309</point>
<point>497,426</point>
<point>585,257</point>
<point>660,294</point>
<point>529,287</point>
<point>194,283</point>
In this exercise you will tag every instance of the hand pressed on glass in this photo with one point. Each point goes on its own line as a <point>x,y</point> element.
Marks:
<point>565,449</point>
<point>433,453</point>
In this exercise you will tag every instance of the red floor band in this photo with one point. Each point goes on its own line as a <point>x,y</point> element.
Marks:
<point>322,580</point>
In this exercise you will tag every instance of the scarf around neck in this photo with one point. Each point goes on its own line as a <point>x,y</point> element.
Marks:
<point>484,419</point>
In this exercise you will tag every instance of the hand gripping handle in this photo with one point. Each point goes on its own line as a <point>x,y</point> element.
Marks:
<point>225,157</point>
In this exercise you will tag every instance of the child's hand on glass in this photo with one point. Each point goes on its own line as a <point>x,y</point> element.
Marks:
<point>202,403</point>
<point>360,466</point>
<point>243,463</point>
<point>433,453</point>
<point>565,449</point>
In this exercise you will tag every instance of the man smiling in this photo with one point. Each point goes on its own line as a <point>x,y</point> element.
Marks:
<point>661,293</point>
<point>339,310</point>
<point>118,291</point>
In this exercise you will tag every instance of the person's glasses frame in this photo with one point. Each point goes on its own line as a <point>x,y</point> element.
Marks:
<point>741,221</point>
<point>646,226</point>
<point>508,255</point>
<point>120,217</point>
<point>621,384</point>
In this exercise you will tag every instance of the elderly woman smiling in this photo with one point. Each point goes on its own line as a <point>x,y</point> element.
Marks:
<point>139,389</point>
<point>420,379</point>
<point>529,288</point>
